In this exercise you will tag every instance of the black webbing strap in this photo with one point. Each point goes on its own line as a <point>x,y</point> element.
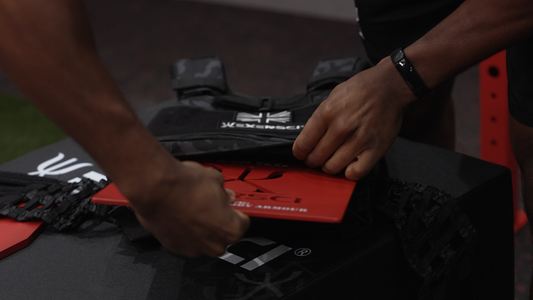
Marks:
<point>60,204</point>
<point>249,103</point>
<point>198,76</point>
<point>201,82</point>
<point>19,179</point>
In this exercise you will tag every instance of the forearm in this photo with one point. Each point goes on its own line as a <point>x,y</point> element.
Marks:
<point>46,47</point>
<point>48,50</point>
<point>476,30</point>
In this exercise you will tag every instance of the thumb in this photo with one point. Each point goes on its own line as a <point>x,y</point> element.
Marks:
<point>231,195</point>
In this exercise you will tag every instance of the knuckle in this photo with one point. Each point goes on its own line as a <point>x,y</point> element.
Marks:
<point>325,111</point>
<point>191,163</point>
<point>343,130</point>
<point>215,174</point>
<point>302,145</point>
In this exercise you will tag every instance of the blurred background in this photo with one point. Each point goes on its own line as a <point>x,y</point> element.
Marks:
<point>269,48</point>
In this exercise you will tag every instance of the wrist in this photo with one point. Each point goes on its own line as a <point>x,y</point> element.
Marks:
<point>137,163</point>
<point>394,84</point>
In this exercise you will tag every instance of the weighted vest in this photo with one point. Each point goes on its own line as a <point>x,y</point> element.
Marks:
<point>211,119</point>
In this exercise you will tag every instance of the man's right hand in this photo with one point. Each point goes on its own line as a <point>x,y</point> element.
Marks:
<point>190,213</point>
<point>357,124</point>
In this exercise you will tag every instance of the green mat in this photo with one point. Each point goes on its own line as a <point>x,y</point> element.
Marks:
<point>23,128</point>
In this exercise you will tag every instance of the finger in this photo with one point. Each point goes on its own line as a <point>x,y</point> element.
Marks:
<point>231,195</point>
<point>363,164</point>
<point>233,233</point>
<point>305,142</point>
<point>236,224</point>
<point>344,156</point>
<point>216,243</point>
<point>216,175</point>
<point>326,147</point>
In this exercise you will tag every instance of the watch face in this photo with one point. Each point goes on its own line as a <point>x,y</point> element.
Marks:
<point>274,191</point>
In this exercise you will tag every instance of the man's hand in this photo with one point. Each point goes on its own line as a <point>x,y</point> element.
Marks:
<point>356,125</point>
<point>48,50</point>
<point>192,215</point>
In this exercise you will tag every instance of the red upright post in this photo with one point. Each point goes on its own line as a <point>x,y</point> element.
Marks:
<point>494,129</point>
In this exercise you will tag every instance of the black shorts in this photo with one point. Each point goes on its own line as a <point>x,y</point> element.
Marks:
<point>520,76</point>
<point>386,25</point>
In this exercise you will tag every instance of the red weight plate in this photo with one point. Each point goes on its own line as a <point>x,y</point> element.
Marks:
<point>16,235</point>
<point>294,193</point>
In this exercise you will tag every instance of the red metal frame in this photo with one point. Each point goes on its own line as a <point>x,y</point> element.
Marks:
<point>494,127</point>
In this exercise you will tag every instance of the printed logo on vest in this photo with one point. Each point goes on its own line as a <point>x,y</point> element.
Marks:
<point>264,118</point>
<point>262,121</point>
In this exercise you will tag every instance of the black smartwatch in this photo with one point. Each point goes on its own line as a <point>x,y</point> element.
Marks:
<point>408,73</point>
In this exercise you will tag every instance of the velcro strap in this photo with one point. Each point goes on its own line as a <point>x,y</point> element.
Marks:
<point>242,102</point>
<point>19,179</point>
<point>198,82</point>
<point>9,201</point>
<point>62,205</point>
<point>198,76</point>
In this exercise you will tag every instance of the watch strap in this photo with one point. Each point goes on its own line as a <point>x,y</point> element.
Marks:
<point>409,74</point>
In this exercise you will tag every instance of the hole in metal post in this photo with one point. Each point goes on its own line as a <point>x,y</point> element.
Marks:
<point>494,71</point>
